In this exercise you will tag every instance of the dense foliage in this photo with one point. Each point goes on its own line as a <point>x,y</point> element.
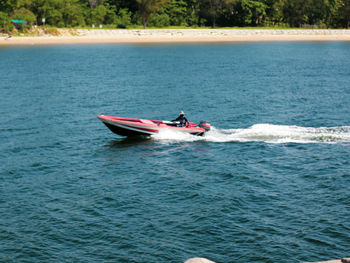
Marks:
<point>193,13</point>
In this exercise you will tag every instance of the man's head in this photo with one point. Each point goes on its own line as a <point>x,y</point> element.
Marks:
<point>182,113</point>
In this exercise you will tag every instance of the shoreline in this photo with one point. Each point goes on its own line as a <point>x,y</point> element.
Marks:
<point>205,260</point>
<point>149,36</point>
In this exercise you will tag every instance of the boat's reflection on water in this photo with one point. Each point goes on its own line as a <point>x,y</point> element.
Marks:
<point>145,144</point>
<point>124,142</point>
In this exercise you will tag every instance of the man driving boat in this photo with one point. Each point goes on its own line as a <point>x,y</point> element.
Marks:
<point>182,120</point>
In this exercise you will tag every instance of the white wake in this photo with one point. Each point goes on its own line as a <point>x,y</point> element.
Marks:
<point>268,133</point>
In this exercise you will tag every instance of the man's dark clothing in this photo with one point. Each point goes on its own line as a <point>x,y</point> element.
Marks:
<point>182,119</point>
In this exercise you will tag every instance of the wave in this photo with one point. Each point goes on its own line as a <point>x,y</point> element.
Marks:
<point>268,133</point>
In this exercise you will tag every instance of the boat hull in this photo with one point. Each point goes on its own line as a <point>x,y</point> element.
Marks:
<point>141,127</point>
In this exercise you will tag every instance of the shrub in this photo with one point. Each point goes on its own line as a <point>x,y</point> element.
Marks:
<point>73,15</point>
<point>52,31</point>
<point>110,17</point>
<point>123,17</point>
<point>55,17</point>
<point>25,15</point>
<point>159,20</point>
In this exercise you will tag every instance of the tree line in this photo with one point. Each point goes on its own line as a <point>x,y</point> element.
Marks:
<point>184,13</point>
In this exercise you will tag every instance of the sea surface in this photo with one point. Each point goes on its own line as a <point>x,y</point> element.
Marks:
<point>269,183</point>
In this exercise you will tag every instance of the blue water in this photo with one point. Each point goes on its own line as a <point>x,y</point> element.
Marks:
<point>269,183</point>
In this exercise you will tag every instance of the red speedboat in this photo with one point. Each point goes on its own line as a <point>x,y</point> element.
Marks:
<point>132,127</point>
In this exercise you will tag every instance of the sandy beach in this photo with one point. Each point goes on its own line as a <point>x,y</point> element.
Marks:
<point>86,36</point>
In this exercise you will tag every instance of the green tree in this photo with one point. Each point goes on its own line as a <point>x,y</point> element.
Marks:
<point>177,12</point>
<point>110,17</point>
<point>131,5</point>
<point>211,10</point>
<point>254,12</point>
<point>192,12</point>
<point>7,6</point>
<point>344,14</point>
<point>332,12</point>
<point>4,21</point>
<point>73,13</point>
<point>228,15</point>
<point>274,11</point>
<point>55,18</point>
<point>159,19</point>
<point>148,7</point>
<point>294,12</point>
<point>124,17</point>
<point>215,8</point>
<point>316,11</point>
<point>52,11</point>
<point>98,15</point>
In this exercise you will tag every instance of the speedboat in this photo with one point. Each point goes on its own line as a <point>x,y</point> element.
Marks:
<point>133,127</point>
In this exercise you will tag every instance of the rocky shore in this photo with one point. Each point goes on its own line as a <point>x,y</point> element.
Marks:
<point>80,36</point>
<point>210,32</point>
<point>343,260</point>
<point>204,260</point>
